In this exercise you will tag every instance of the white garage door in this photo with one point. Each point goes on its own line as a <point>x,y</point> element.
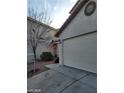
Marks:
<point>81,52</point>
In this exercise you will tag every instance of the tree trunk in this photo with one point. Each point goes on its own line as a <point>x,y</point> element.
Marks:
<point>34,50</point>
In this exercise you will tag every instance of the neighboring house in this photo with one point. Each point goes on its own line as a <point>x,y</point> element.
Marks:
<point>47,35</point>
<point>78,35</point>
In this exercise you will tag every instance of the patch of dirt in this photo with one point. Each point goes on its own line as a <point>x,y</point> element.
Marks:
<point>31,73</point>
<point>40,67</point>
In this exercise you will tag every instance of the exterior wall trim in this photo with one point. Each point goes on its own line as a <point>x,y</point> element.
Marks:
<point>80,35</point>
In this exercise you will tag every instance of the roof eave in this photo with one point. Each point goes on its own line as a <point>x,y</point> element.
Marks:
<point>71,17</point>
<point>31,19</point>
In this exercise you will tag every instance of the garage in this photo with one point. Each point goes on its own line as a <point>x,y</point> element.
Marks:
<point>80,52</point>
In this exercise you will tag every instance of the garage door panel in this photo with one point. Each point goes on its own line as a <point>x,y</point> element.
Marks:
<point>81,52</point>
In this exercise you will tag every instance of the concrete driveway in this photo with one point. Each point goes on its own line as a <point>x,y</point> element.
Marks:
<point>63,79</point>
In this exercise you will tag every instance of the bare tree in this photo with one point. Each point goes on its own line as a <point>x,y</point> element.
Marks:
<point>36,32</point>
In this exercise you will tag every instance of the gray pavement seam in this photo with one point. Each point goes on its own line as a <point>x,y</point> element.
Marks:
<point>72,83</point>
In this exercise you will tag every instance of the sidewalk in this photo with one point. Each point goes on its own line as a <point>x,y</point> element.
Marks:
<point>63,79</point>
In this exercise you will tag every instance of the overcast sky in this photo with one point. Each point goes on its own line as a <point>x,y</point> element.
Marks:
<point>58,9</point>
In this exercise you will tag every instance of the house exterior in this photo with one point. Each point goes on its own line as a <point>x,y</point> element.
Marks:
<point>42,47</point>
<point>78,35</point>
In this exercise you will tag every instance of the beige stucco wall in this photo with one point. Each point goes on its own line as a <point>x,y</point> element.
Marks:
<point>80,24</point>
<point>80,51</point>
<point>42,47</point>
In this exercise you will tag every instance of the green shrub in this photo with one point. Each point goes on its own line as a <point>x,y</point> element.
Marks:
<point>46,56</point>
